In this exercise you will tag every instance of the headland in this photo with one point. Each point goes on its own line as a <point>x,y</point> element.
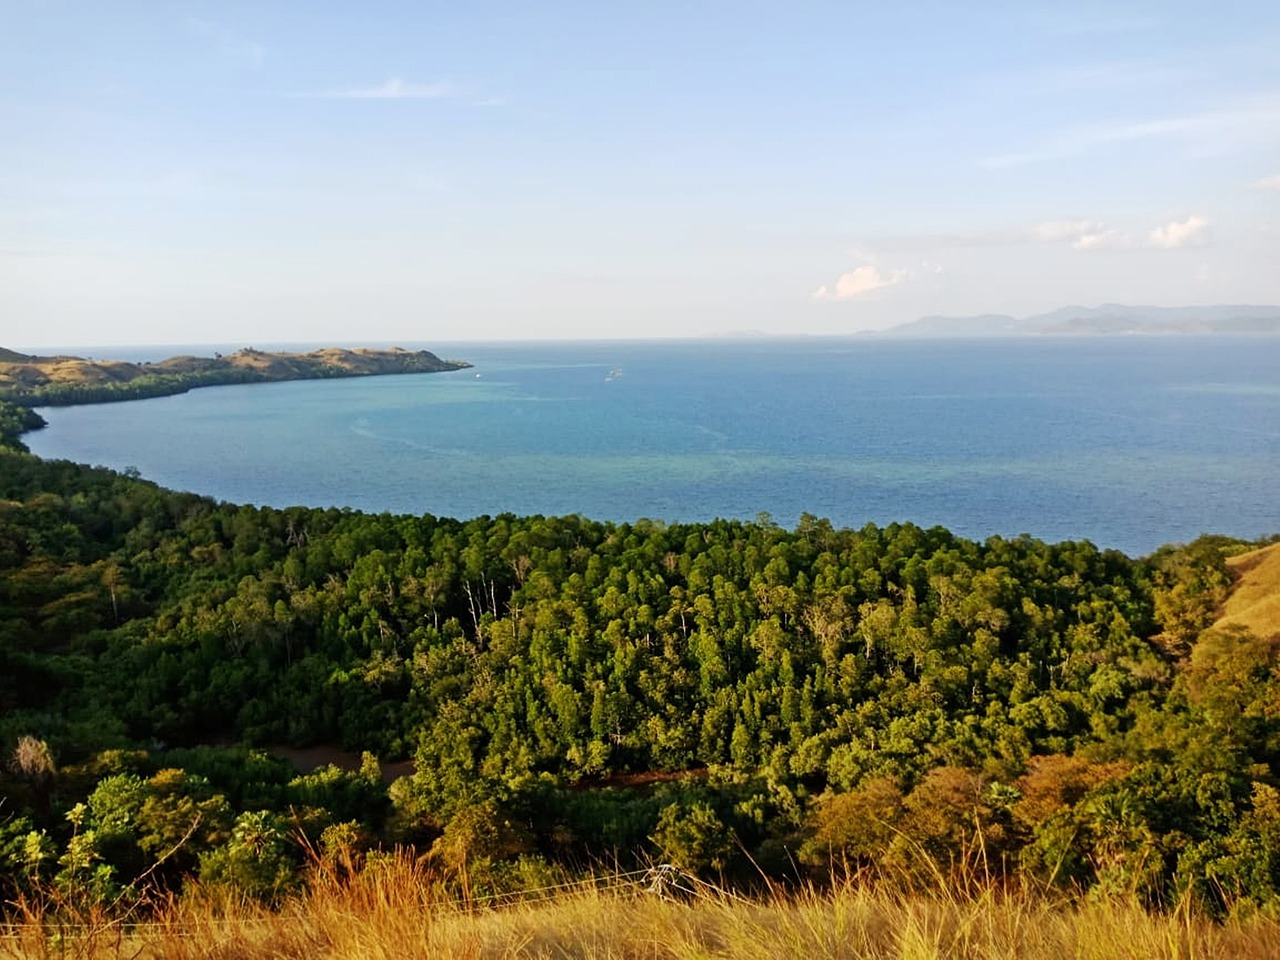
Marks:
<point>66,380</point>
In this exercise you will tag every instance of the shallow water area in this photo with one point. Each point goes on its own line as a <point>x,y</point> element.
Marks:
<point>1129,442</point>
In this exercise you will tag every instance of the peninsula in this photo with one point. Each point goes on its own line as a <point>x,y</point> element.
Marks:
<point>66,380</point>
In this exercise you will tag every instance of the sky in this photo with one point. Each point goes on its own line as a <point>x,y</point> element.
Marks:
<point>310,171</point>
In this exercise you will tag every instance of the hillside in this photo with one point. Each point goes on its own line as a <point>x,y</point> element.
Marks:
<point>1255,599</point>
<point>61,380</point>
<point>744,701</point>
<point>395,911</point>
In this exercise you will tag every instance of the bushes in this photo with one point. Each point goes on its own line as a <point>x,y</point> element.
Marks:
<point>625,690</point>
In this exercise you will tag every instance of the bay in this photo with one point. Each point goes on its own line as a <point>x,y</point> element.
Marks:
<point>1128,442</point>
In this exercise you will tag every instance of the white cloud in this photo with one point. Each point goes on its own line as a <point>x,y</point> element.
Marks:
<point>858,282</point>
<point>1183,233</point>
<point>1267,183</point>
<point>1056,231</point>
<point>1081,234</point>
<point>1096,235</point>
<point>395,89</point>
<point>1107,239</point>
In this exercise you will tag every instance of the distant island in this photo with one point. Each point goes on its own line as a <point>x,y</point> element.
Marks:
<point>66,380</point>
<point>1108,319</point>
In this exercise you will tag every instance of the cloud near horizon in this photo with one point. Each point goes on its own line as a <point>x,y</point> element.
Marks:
<point>1081,234</point>
<point>1104,240</point>
<point>1183,233</point>
<point>859,282</point>
<point>1266,183</point>
<point>1053,231</point>
<point>1097,235</point>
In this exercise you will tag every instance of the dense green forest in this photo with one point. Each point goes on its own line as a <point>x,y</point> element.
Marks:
<point>735,697</point>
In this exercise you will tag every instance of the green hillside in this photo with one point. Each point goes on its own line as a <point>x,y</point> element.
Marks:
<point>750,703</point>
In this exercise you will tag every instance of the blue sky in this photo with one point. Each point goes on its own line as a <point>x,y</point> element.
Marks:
<point>186,173</point>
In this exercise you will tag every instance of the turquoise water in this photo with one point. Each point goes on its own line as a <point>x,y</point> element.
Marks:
<point>1127,442</point>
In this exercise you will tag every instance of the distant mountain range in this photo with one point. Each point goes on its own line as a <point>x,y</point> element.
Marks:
<point>1108,319</point>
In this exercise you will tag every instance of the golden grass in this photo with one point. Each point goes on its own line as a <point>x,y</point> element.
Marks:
<point>1255,599</point>
<point>390,913</point>
<point>19,371</point>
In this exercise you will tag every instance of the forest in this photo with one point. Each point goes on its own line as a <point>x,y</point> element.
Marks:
<point>752,703</point>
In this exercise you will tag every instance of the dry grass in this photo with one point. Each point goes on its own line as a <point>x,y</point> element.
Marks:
<point>1255,598</point>
<point>18,371</point>
<point>390,913</point>
<point>72,370</point>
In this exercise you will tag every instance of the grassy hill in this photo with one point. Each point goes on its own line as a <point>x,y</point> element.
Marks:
<point>61,380</point>
<point>1255,598</point>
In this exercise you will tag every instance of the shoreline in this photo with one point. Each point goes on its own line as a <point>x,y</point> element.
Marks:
<point>36,381</point>
<point>307,445</point>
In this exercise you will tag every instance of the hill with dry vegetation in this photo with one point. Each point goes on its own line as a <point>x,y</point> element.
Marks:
<point>396,911</point>
<point>1254,601</point>
<point>60,380</point>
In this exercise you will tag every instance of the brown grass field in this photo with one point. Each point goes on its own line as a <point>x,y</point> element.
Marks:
<point>1255,598</point>
<point>390,913</point>
<point>22,372</point>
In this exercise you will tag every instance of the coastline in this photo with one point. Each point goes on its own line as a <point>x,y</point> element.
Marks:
<point>1131,445</point>
<point>35,381</point>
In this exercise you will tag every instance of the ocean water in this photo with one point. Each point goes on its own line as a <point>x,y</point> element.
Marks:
<point>1128,442</point>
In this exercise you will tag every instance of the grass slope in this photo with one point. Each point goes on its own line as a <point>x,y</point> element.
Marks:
<point>1255,599</point>
<point>389,913</point>
<point>40,378</point>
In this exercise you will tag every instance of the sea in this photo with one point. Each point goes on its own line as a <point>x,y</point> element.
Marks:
<point>1129,442</point>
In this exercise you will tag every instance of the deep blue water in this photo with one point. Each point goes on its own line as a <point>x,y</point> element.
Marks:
<point>1130,443</point>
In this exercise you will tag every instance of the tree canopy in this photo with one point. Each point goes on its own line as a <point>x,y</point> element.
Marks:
<point>730,695</point>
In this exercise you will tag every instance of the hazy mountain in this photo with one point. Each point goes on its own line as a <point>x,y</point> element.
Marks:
<point>1110,318</point>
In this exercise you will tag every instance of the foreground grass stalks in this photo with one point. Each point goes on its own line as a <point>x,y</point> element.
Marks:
<point>392,913</point>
